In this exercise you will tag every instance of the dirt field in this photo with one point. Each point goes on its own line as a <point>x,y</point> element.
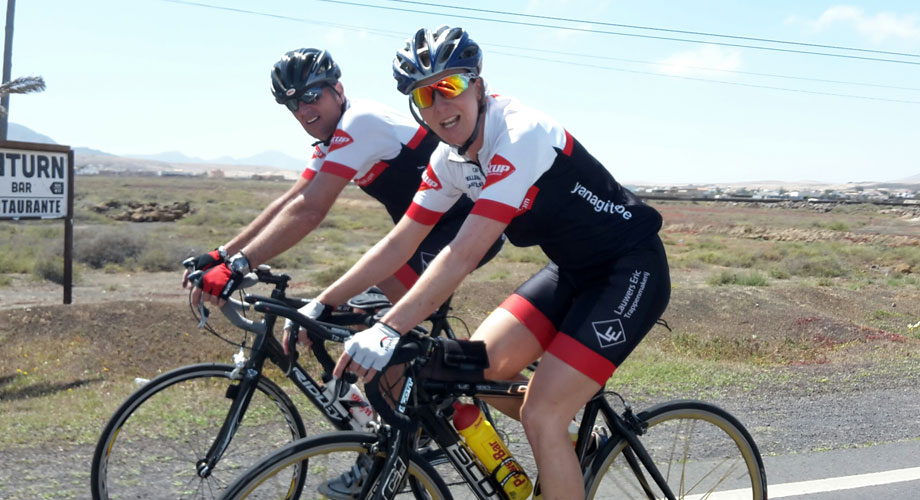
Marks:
<point>806,363</point>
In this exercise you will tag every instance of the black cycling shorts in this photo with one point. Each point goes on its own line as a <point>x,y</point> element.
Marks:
<point>593,319</point>
<point>441,234</point>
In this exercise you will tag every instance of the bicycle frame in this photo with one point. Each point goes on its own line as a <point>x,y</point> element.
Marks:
<point>429,415</point>
<point>266,346</point>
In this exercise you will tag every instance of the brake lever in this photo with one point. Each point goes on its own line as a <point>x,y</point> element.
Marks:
<point>204,313</point>
<point>189,263</point>
<point>195,278</point>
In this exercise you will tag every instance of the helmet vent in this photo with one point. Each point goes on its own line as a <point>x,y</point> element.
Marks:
<point>424,57</point>
<point>445,52</point>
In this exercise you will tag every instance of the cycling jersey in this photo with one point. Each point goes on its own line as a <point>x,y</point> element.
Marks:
<point>536,177</point>
<point>385,154</point>
<point>608,280</point>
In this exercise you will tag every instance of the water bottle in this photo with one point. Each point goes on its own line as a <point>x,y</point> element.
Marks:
<point>573,432</point>
<point>358,405</point>
<point>352,402</point>
<point>482,439</point>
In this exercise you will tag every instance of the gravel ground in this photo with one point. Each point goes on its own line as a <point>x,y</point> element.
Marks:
<point>832,403</point>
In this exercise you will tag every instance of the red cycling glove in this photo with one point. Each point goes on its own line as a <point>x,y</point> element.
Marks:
<point>220,281</point>
<point>208,260</point>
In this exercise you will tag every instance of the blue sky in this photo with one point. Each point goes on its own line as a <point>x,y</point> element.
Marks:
<point>149,76</point>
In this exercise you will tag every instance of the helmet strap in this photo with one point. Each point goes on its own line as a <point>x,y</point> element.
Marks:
<point>469,142</point>
<point>482,108</point>
<point>420,121</point>
<point>332,88</point>
<point>326,142</point>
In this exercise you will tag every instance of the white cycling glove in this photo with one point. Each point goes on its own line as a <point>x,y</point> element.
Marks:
<point>372,348</point>
<point>312,310</point>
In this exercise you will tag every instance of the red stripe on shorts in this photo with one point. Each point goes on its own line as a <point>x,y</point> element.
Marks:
<point>406,275</point>
<point>581,358</point>
<point>535,321</point>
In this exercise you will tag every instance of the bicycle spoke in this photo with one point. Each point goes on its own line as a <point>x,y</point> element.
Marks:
<point>701,452</point>
<point>154,453</point>
<point>331,461</point>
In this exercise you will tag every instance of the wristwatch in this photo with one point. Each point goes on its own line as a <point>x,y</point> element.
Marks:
<point>239,263</point>
<point>222,253</point>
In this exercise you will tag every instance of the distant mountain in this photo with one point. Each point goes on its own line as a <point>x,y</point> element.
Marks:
<point>914,179</point>
<point>275,159</point>
<point>90,151</point>
<point>169,157</point>
<point>17,132</point>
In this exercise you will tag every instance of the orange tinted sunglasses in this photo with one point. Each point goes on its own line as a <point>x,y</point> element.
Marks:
<point>450,87</point>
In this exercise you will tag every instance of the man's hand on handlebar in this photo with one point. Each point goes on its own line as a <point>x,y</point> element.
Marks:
<point>216,285</point>
<point>203,262</point>
<point>313,310</point>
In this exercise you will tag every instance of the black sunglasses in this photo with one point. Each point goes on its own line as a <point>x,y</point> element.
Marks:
<point>308,96</point>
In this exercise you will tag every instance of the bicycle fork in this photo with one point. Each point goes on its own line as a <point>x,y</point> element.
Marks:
<point>640,462</point>
<point>241,395</point>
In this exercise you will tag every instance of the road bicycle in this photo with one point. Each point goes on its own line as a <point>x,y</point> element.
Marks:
<point>675,450</point>
<point>183,434</point>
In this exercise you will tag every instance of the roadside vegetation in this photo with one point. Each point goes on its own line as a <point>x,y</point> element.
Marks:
<point>758,293</point>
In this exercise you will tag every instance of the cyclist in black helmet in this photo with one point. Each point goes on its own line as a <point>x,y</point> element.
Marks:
<point>383,152</point>
<point>606,284</point>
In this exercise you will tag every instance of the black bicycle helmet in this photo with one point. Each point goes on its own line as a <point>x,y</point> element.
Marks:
<point>301,69</point>
<point>430,52</point>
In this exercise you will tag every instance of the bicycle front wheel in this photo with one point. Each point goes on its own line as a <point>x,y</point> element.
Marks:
<point>151,446</point>
<point>702,452</point>
<point>337,465</point>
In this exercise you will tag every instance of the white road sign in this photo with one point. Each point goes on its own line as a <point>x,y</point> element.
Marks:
<point>33,182</point>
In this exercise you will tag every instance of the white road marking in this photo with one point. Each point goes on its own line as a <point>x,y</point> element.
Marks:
<point>822,485</point>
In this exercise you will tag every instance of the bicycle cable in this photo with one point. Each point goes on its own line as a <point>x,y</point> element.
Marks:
<point>458,318</point>
<point>208,328</point>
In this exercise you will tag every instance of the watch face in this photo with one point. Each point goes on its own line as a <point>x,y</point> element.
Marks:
<point>239,265</point>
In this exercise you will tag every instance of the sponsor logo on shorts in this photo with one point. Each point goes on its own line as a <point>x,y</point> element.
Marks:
<point>426,259</point>
<point>609,333</point>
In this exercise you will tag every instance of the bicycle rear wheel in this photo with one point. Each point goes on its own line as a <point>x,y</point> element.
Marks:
<point>326,458</point>
<point>702,451</point>
<point>151,445</point>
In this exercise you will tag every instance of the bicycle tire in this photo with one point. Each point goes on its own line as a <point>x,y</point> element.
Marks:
<point>326,457</point>
<point>699,448</point>
<point>150,446</point>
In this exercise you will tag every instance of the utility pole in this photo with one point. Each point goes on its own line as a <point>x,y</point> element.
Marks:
<point>7,67</point>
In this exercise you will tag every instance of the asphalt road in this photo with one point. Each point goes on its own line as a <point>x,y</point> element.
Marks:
<point>889,470</point>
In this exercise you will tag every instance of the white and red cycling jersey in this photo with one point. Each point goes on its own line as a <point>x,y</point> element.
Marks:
<point>532,174</point>
<point>383,152</point>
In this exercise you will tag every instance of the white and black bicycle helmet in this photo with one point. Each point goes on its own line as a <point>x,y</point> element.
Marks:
<point>431,52</point>
<point>301,69</point>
